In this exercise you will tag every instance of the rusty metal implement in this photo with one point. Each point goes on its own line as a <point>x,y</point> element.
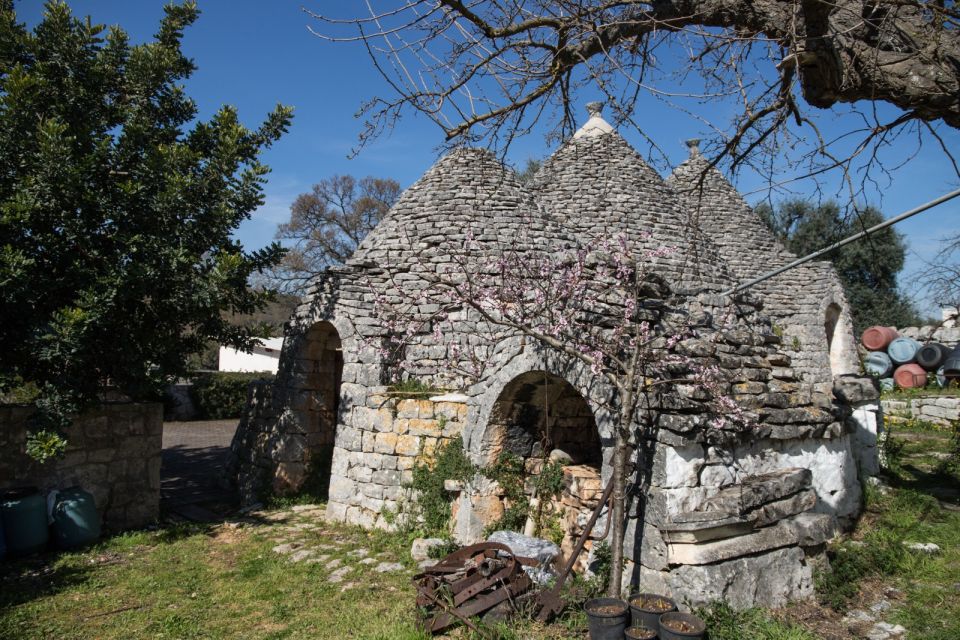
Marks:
<point>549,602</point>
<point>468,582</point>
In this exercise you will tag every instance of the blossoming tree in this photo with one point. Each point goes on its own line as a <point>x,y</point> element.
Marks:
<point>601,305</point>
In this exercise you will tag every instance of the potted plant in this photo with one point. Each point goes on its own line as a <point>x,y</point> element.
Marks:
<point>640,633</point>
<point>681,626</point>
<point>607,618</point>
<point>647,608</point>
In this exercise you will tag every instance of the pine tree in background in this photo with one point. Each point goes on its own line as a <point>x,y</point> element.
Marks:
<point>868,268</point>
<point>116,213</point>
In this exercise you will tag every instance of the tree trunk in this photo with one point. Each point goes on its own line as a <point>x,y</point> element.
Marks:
<point>617,512</point>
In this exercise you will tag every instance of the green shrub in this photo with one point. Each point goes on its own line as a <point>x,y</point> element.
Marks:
<point>222,395</point>
<point>429,512</point>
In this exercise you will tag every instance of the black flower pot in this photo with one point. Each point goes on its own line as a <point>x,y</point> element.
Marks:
<point>681,626</point>
<point>646,615</point>
<point>607,618</point>
<point>640,633</point>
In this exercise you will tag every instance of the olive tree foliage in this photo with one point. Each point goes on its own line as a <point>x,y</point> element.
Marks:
<point>116,213</point>
<point>756,75</point>
<point>869,269</point>
<point>326,225</point>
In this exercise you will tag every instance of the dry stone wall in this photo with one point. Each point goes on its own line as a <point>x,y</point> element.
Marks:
<point>113,452</point>
<point>807,303</point>
<point>939,410</point>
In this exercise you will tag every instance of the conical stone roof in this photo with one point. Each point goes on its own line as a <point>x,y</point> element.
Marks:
<point>598,186</point>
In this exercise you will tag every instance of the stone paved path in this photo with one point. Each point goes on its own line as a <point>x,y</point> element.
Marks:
<point>194,456</point>
<point>299,535</point>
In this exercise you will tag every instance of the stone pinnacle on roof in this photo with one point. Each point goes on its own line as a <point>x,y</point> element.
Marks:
<point>694,145</point>
<point>596,125</point>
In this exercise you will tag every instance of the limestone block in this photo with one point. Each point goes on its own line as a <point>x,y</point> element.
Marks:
<point>371,490</point>
<point>421,548</point>
<point>336,511</point>
<point>386,443</point>
<point>675,467</point>
<point>349,438</point>
<point>362,474</point>
<point>369,419</point>
<point>342,489</point>
<point>770,579</point>
<point>408,408</point>
<point>761,489</point>
<point>854,389</point>
<point>406,445</point>
<point>386,477</point>
<point>813,529</point>
<point>780,509</point>
<point>368,442</point>
<point>779,535</point>
<point>473,513</point>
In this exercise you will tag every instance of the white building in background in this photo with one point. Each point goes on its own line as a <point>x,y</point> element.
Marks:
<point>949,316</point>
<point>265,357</point>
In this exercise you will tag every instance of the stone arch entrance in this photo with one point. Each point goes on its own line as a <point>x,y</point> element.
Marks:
<point>538,412</point>
<point>535,416</point>
<point>318,402</point>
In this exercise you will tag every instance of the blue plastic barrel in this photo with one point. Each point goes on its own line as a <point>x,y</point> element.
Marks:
<point>903,350</point>
<point>878,363</point>
<point>24,515</point>
<point>886,384</point>
<point>76,522</point>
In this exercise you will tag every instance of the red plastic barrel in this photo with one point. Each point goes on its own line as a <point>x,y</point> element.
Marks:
<point>910,376</point>
<point>877,338</point>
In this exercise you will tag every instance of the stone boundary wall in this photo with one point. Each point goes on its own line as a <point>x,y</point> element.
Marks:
<point>113,452</point>
<point>378,444</point>
<point>937,409</point>
<point>950,336</point>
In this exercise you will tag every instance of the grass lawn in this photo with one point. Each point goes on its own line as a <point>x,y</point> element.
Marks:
<point>226,581</point>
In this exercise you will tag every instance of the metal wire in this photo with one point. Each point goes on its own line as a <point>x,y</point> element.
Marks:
<point>837,245</point>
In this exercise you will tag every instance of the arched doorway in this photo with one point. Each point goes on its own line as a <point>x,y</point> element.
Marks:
<point>318,401</point>
<point>535,417</point>
<point>538,412</point>
<point>839,349</point>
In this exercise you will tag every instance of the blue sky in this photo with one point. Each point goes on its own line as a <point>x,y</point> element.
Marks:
<point>256,53</point>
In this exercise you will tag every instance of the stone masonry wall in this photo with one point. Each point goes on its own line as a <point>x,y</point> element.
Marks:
<point>113,452</point>
<point>377,446</point>
<point>941,410</point>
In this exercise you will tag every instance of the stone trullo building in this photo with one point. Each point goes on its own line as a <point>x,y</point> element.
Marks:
<point>745,521</point>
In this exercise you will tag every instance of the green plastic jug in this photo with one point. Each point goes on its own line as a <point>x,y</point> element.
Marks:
<point>76,522</point>
<point>24,515</point>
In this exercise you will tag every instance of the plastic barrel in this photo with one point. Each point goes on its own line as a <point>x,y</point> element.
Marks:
<point>24,514</point>
<point>951,366</point>
<point>877,338</point>
<point>931,356</point>
<point>903,350</point>
<point>76,522</point>
<point>910,376</point>
<point>878,363</point>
